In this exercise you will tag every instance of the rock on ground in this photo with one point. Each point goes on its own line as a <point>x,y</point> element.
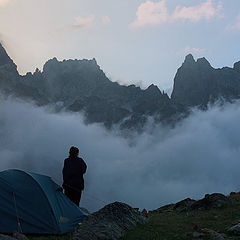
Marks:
<point>184,205</point>
<point>109,223</point>
<point>16,236</point>
<point>5,237</point>
<point>235,229</point>
<point>215,200</point>
<point>19,236</point>
<point>164,209</point>
<point>214,234</point>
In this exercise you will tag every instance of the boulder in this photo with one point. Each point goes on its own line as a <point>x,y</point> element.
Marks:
<point>235,230</point>
<point>184,205</point>
<point>5,237</point>
<point>19,236</point>
<point>16,236</point>
<point>110,222</point>
<point>145,213</point>
<point>214,234</point>
<point>215,200</point>
<point>163,209</point>
<point>197,235</point>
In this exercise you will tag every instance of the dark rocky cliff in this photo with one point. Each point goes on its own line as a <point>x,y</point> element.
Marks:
<point>82,86</point>
<point>198,83</point>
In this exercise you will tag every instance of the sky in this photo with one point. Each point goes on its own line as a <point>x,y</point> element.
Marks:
<point>198,156</point>
<point>134,41</point>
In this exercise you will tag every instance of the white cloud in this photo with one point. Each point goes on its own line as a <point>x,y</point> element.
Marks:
<point>206,10</point>
<point>236,25</point>
<point>84,21</point>
<point>189,49</point>
<point>3,2</point>
<point>106,20</point>
<point>152,13</point>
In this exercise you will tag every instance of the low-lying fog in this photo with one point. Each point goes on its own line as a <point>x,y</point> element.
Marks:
<point>201,155</point>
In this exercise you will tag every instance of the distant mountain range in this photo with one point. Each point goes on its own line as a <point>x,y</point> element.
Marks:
<point>81,86</point>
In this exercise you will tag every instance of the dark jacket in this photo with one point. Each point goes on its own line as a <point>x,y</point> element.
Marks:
<point>73,171</point>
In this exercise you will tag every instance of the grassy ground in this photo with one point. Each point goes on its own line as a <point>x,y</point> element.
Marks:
<point>179,226</point>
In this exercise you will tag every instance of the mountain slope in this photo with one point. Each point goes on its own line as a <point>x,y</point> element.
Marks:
<point>82,86</point>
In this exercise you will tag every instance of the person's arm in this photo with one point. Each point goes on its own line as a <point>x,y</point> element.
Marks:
<point>83,166</point>
<point>64,172</point>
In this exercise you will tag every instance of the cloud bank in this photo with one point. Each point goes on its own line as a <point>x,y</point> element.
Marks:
<point>199,156</point>
<point>153,13</point>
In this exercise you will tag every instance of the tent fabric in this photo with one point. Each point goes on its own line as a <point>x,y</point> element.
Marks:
<point>34,203</point>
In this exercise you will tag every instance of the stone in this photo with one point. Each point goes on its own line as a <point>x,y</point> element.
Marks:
<point>235,229</point>
<point>215,200</point>
<point>184,205</point>
<point>198,235</point>
<point>163,209</point>
<point>214,234</point>
<point>193,226</point>
<point>6,237</point>
<point>19,236</point>
<point>109,223</point>
<point>145,213</point>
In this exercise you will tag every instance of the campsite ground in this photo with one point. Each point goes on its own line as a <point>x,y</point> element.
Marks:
<point>170,224</point>
<point>181,226</point>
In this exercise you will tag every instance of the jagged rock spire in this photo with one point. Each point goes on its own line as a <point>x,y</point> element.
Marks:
<point>4,58</point>
<point>237,66</point>
<point>189,59</point>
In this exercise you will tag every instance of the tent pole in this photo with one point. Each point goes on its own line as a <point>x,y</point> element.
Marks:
<point>18,221</point>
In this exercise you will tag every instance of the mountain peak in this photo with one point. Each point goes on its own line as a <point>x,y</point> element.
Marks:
<point>153,90</point>
<point>237,66</point>
<point>4,58</point>
<point>189,59</point>
<point>204,62</point>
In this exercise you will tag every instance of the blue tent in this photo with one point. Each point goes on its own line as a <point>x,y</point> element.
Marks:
<point>33,203</point>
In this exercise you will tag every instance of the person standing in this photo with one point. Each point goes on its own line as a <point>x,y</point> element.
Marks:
<point>73,171</point>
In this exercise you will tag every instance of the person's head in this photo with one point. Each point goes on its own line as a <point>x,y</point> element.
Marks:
<point>73,151</point>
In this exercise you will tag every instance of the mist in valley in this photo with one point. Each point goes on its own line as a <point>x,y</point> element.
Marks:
<point>162,165</point>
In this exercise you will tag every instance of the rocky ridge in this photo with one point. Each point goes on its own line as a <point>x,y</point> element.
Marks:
<point>82,86</point>
<point>197,83</point>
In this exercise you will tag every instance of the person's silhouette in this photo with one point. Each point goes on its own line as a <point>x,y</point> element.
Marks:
<point>73,170</point>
